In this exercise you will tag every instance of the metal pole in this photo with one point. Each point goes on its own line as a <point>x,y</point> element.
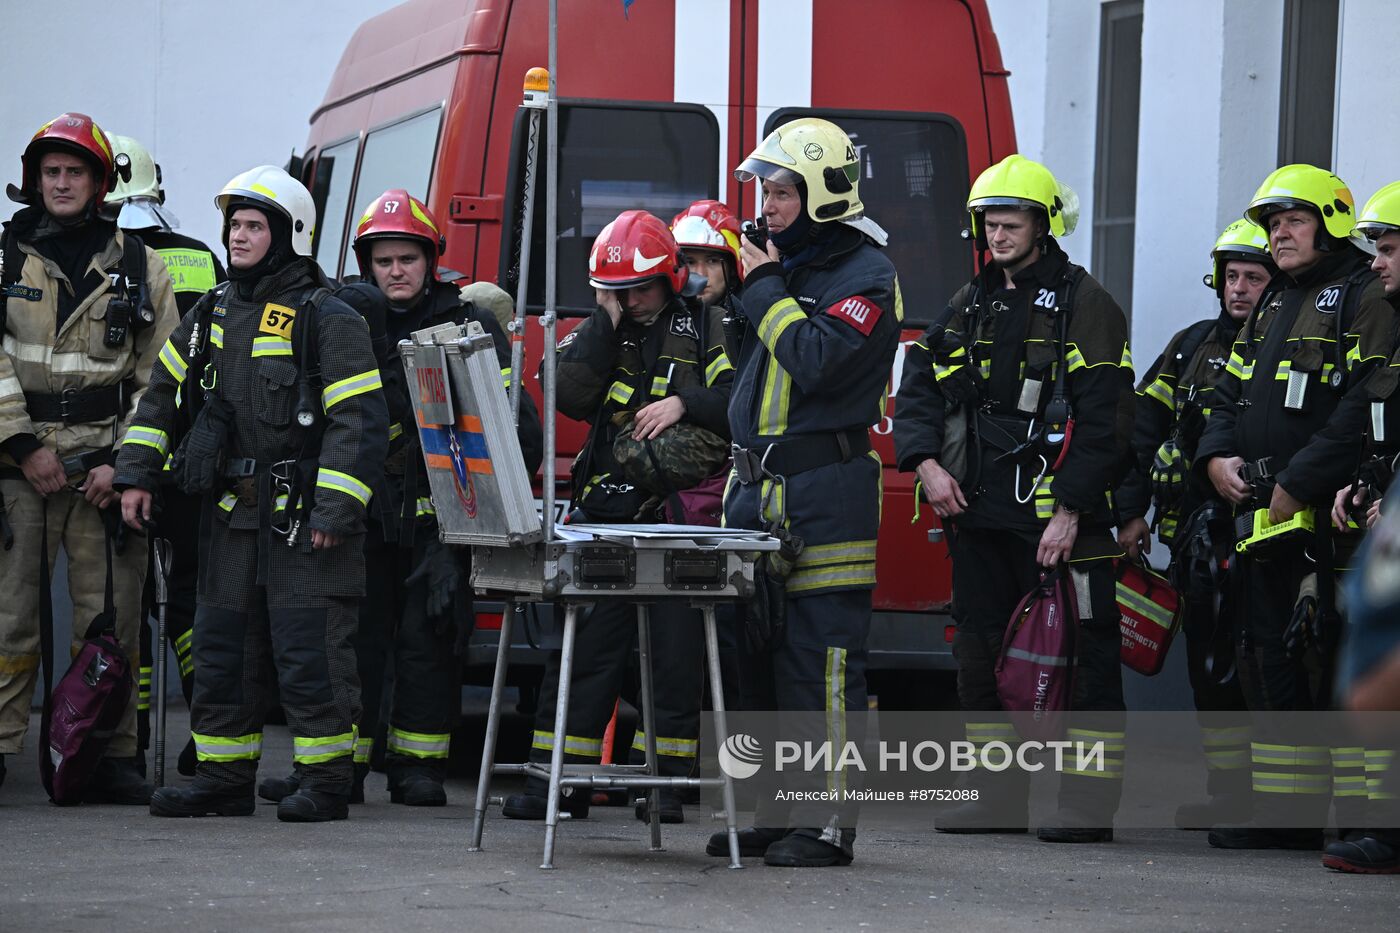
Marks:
<point>561,724</point>
<point>551,259</point>
<point>649,721</point>
<point>162,569</point>
<point>721,728</point>
<point>517,331</point>
<point>493,728</point>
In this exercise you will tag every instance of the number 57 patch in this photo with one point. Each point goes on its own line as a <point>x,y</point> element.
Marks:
<point>277,320</point>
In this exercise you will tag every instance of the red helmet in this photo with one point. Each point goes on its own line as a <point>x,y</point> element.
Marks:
<point>709,225</point>
<point>70,132</point>
<point>398,215</point>
<point>634,248</point>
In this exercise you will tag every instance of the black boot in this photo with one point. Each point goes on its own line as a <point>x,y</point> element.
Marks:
<point>309,805</point>
<point>802,849</point>
<point>117,780</point>
<point>1250,836</point>
<point>1000,805</point>
<point>1364,855</point>
<point>203,797</point>
<point>279,789</point>
<point>528,806</point>
<point>1214,811</point>
<point>417,787</point>
<point>357,782</point>
<point>1074,826</point>
<point>671,809</point>
<point>753,842</point>
<point>188,760</point>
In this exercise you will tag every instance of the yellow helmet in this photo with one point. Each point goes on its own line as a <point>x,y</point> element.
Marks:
<point>1018,182</point>
<point>1242,240</point>
<point>818,153</point>
<point>1305,186</point>
<point>1380,216</point>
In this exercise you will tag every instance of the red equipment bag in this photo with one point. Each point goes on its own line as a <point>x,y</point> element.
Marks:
<point>1035,671</point>
<point>1149,616</point>
<point>84,710</point>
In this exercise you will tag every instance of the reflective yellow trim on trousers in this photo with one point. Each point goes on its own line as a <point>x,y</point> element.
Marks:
<point>573,744</point>
<point>668,745</point>
<point>182,652</point>
<point>228,748</point>
<point>836,712</point>
<point>327,478</point>
<point>143,688</point>
<point>1113,749</point>
<point>841,563</point>
<point>981,734</point>
<point>1226,748</point>
<point>1378,762</point>
<point>18,663</point>
<point>340,391</point>
<point>1276,769</point>
<point>424,507</point>
<point>783,314</point>
<point>363,749</point>
<point>419,744</point>
<point>313,751</point>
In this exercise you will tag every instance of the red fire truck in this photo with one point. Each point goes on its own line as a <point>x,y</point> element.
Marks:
<point>659,100</point>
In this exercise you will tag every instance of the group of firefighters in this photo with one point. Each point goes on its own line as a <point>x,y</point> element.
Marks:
<point>259,420</point>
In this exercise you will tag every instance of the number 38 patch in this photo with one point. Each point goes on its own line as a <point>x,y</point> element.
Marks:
<point>277,320</point>
<point>857,312</point>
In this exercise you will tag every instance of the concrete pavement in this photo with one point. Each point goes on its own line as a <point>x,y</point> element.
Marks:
<point>393,867</point>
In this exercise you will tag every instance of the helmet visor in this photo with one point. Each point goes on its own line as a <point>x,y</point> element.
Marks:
<point>755,167</point>
<point>1366,233</point>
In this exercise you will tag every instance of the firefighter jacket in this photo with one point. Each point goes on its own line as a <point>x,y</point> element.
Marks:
<point>252,364</point>
<point>1011,338</point>
<point>604,370</point>
<point>193,267</point>
<point>1290,366</point>
<point>1362,436</point>
<point>406,498</point>
<point>1173,402</point>
<point>822,330</point>
<point>46,361</point>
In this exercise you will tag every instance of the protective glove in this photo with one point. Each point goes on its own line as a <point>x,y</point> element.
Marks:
<point>1168,473</point>
<point>439,572</point>
<point>958,378</point>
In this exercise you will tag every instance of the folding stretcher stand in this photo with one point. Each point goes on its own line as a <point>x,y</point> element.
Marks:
<point>482,496</point>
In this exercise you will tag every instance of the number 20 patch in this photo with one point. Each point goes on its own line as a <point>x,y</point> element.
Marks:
<point>857,312</point>
<point>277,320</point>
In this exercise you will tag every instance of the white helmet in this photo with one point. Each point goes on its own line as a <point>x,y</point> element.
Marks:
<point>270,185</point>
<point>138,188</point>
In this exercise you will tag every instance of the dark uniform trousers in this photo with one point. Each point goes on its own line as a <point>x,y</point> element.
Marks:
<point>992,570</point>
<point>178,523</point>
<point>396,634</point>
<point>1225,726</point>
<point>244,632</point>
<point>606,638</point>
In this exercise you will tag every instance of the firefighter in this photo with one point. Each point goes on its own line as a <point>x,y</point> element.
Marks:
<point>1320,328</point>
<point>1369,410</point>
<point>194,269</point>
<point>288,437</point>
<point>1174,399</point>
<point>650,364</point>
<point>86,309</point>
<point>708,234</point>
<point>821,309</point>
<point>418,601</point>
<point>1030,364</point>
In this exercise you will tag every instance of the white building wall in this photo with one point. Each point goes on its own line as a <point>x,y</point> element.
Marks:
<point>211,88</point>
<point>1366,130</point>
